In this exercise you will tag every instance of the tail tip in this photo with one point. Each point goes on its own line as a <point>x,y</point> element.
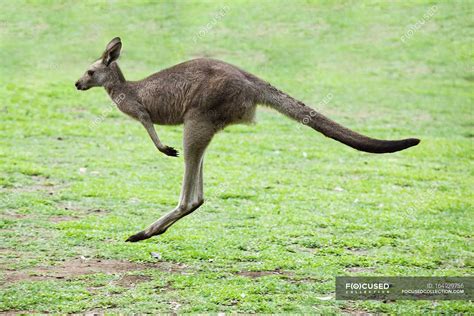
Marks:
<point>414,141</point>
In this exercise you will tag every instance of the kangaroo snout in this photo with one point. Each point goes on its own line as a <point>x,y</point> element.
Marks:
<point>80,86</point>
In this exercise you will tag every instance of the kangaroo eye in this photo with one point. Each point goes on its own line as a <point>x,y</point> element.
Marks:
<point>90,72</point>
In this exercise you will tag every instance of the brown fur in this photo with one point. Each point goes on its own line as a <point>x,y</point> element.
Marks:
<point>206,95</point>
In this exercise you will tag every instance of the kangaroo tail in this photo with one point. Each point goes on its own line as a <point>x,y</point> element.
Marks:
<point>282,102</point>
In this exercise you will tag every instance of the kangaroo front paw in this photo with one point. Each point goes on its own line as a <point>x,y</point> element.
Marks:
<point>170,151</point>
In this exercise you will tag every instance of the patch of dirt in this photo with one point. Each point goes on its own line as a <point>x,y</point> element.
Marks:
<point>7,258</point>
<point>54,219</point>
<point>296,280</point>
<point>78,267</point>
<point>77,207</point>
<point>13,216</point>
<point>4,251</point>
<point>79,210</point>
<point>40,183</point>
<point>98,211</point>
<point>164,288</point>
<point>175,306</point>
<point>287,275</point>
<point>359,269</point>
<point>358,251</point>
<point>43,184</point>
<point>132,280</point>
<point>258,274</point>
<point>94,312</point>
<point>15,313</point>
<point>357,312</point>
<point>126,281</point>
<point>63,218</point>
<point>298,248</point>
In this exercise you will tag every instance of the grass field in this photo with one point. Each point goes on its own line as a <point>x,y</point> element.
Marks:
<point>286,209</point>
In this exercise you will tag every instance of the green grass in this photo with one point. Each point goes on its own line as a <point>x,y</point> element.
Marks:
<point>279,197</point>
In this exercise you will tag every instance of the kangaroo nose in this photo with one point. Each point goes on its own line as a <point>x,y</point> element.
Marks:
<point>77,84</point>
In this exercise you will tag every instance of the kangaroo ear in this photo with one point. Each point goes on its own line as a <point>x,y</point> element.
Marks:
<point>112,51</point>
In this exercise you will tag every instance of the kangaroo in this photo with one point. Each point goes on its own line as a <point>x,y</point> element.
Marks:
<point>206,95</point>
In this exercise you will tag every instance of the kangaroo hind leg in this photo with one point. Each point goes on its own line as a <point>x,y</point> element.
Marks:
<point>197,137</point>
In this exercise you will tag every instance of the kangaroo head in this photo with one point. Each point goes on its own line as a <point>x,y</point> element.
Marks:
<point>100,72</point>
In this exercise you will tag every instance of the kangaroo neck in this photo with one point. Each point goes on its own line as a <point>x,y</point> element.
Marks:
<point>115,86</point>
